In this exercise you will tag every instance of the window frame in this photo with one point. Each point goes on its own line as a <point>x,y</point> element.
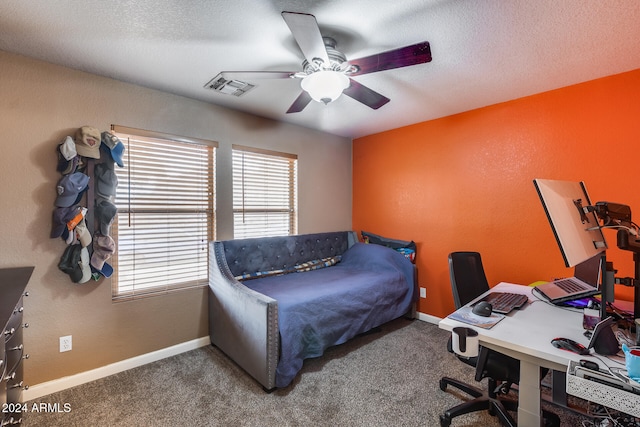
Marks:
<point>126,134</point>
<point>292,206</point>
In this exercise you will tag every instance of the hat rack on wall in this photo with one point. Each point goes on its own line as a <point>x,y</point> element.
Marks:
<point>84,207</point>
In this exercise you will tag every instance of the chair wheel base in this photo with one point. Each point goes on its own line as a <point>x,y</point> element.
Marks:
<point>445,421</point>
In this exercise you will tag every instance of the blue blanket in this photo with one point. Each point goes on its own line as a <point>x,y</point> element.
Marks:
<point>317,309</point>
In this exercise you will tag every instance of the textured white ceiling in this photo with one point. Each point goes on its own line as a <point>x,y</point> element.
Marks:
<point>484,51</point>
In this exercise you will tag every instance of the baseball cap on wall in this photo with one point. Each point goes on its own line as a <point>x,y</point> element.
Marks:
<point>106,271</point>
<point>67,148</point>
<point>103,248</point>
<point>105,214</point>
<point>65,167</point>
<point>70,187</point>
<point>83,234</point>
<point>87,141</point>
<point>67,156</point>
<point>106,181</point>
<point>85,266</point>
<point>70,262</point>
<point>115,147</point>
<point>60,218</point>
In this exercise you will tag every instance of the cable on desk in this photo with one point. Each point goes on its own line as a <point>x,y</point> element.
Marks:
<point>535,293</point>
<point>623,337</point>
<point>622,314</point>
<point>619,362</point>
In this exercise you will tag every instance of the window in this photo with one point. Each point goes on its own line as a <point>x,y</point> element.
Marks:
<point>264,193</point>
<point>166,217</point>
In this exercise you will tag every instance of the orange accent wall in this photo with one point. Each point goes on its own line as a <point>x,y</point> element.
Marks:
<point>464,182</point>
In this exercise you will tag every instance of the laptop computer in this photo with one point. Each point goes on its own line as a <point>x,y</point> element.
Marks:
<point>584,283</point>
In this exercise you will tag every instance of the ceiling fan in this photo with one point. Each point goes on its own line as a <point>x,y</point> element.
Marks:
<point>326,72</point>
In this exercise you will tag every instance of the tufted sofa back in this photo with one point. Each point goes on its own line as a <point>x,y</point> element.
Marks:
<point>245,256</point>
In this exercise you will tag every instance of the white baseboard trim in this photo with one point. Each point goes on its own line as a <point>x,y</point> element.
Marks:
<point>428,318</point>
<point>53,386</point>
<point>43,389</point>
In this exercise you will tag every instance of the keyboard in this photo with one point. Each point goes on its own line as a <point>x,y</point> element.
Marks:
<point>568,286</point>
<point>504,302</point>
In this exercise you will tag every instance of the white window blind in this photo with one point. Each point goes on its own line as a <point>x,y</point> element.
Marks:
<point>166,217</point>
<point>264,193</point>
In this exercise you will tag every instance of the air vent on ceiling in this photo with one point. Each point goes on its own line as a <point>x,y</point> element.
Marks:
<point>229,87</point>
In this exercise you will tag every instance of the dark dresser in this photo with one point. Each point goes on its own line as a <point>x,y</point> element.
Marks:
<point>13,282</point>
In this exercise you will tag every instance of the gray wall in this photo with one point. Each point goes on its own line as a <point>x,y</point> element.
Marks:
<point>40,104</point>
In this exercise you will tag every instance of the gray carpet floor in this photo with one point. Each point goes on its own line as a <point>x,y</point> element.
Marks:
<point>388,377</point>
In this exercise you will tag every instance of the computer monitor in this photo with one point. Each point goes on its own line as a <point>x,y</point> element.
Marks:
<point>575,228</point>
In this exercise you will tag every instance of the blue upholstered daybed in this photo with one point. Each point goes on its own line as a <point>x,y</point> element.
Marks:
<point>276,301</point>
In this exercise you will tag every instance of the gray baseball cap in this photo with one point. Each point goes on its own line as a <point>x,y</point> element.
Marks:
<point>106,182</point>
<point>105,214</point>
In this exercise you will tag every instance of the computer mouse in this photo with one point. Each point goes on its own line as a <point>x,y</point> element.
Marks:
<point>589,365</point>
<point>569,345</point>
<point>483,308</point>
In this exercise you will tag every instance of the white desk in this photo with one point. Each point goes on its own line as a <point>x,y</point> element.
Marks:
<point>526,335</point>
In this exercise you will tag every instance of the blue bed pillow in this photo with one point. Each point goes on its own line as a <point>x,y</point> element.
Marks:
<point>406,248</point>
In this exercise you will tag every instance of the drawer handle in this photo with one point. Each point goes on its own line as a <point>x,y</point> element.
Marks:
<point>18,385</point>
<point>12,422</point>
<point>10,331</point>
<point>18,310</point>
<point>19,348</point>
<point>26,325</point>
<point>21,385</point>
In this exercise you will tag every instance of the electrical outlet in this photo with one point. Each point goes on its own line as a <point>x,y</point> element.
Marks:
<point>65,343</point>
<point>423,292</point>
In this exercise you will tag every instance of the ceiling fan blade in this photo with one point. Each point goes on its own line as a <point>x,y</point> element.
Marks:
<point>363,94</point>
<point>250,75</point>
<point>304,28</point>
<point>301,101</point>
<point>418,53</point>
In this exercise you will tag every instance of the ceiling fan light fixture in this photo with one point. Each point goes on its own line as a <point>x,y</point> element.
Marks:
<point>325,85</point>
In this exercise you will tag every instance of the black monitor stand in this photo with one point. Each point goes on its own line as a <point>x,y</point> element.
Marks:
<point>627,244</point>
<point>607,282</point>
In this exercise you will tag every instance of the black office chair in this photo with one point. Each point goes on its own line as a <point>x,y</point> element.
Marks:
<point>469,281</point>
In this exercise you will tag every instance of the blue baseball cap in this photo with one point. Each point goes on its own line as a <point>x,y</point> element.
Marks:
<point>70,188</point>
<point>114,147</point>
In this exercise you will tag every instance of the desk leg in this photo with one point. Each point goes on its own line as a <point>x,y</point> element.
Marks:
<point>559,387</point>
<point>529,410</point>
